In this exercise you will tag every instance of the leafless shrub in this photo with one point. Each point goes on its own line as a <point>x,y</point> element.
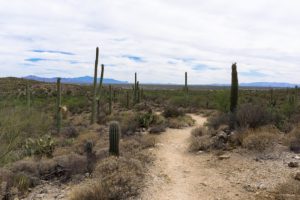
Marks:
<point>252,116</point>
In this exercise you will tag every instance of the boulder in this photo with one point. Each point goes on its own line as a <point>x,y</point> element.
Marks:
<point>293,164</point>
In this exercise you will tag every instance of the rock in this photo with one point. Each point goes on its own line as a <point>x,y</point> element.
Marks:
<point>293,164</point>
<point>223,157</point>
<point>297,177</point>
<point>199,152</point>
<point>224,128</point>
<point>297,157</point>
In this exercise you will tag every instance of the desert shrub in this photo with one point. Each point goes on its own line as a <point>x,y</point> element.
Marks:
<point>128,122</point>
<point>171,111</point>
<point>147,141</point>
<point>145,119</point>
<point>117,178</point>
<point>70,132</point>
<point>289,190</point>
<point>181,121</point>
<point>216,121</point>
<point>222,100</point>
<point>158,120</point>
<point>93,190</point>
<point>157,129</point>
<point>252,116</point>
<point>258,140</point>
<point>22,182</point>
<point>199,131</point>
<point>136,148</point>
<point>43,146</point>
<point>289,106</point>
<point>292,140</point>
<point>201,139</point>
<point>16,125</point>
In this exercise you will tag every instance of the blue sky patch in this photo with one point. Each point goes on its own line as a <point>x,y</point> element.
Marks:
<point>52,51</point>
<point>134,58</point>
<point>201,67</point>
<point>253,73</point>
<point>35,59</point>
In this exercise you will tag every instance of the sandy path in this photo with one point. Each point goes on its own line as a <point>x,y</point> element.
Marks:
<point>178,174</point>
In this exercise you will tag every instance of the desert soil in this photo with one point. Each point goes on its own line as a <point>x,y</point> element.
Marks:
<point>178,174</point>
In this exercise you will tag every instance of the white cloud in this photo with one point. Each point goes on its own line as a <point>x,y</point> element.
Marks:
<point>171,37</point>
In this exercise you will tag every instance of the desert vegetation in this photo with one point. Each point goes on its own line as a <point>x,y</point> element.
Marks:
<point>102,141</point>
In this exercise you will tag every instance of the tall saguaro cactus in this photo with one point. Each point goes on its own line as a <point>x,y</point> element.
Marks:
<point>234,89</point>
<point>114,138</point>
<point>185,83</point>
<point>127,99</point>
<point>58,106</point>
<point>93,117</point>
<point>135,88</point>
<point>233,95</point>
<point>99,92</point>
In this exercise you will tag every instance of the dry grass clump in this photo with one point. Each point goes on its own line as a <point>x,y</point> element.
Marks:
<point>201,139</point>
<point>116,178</point>
<point>293,140</point>
<point>172,111</point>
<point>259,139</point>
<point>289,190</point>
<point>137,148</point>
<point>157,129</point>
<point>181,122</point>
<point>93,190</point>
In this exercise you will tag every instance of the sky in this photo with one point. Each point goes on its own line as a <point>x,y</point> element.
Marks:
<point>158,39</point>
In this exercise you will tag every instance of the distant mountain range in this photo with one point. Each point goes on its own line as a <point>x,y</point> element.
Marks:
<point>89,80</point>
<point>76,80</point>
<point>263,84</point>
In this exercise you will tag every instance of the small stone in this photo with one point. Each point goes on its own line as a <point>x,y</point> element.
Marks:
<point>199,152</point>
<point>223,157</point>
<point>293,164</point>
<point>297,157</point>
<point>297,177</point>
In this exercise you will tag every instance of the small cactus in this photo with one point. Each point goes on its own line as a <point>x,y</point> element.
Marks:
<point>88,147</point>
<point>114,138</point>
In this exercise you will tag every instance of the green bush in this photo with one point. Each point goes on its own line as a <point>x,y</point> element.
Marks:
<point>222,100</point>
<point>171,111</point>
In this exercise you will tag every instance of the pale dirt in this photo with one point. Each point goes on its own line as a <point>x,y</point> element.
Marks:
<point>181,175</point>
<point>178,174</point>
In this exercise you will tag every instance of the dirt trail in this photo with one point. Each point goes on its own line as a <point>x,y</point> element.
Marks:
<point>179,174</point>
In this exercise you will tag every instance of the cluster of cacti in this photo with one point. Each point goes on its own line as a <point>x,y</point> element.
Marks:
<point>40,146</point>
<point>114,138</point>
<point>93,117</point>
<point>58,106</point>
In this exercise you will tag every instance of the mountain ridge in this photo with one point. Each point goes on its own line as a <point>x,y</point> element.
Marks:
<point>89,80</point>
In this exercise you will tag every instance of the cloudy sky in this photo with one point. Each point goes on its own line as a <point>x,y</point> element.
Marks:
<point>159,39</point>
